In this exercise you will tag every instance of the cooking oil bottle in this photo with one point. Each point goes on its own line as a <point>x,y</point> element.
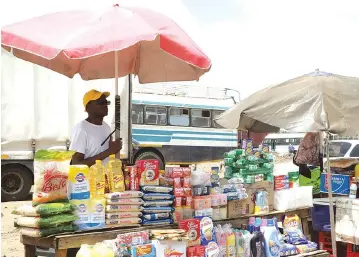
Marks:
<point>97,180</point>
<point>115,175</point>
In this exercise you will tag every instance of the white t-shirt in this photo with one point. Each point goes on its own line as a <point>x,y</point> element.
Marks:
<point>87,138</point>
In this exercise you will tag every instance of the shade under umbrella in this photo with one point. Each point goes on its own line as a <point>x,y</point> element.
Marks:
<point>318,101</point>
<point>147,44</point>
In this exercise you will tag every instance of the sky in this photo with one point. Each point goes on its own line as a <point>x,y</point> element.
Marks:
<point>252,43</point>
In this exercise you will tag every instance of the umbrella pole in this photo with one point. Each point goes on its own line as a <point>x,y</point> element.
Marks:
<point>116,73</point>
<point>331,205</point>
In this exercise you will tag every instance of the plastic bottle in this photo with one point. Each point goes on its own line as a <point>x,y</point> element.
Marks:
<point>251,224</point>
<point>231,245</point>
<point>272,246</point>
<point>97,180</point>
<point>356,172</point>
<point>353,191</point>
<point>257,224</point>
<point>263,224</point>
<point>115,175</point>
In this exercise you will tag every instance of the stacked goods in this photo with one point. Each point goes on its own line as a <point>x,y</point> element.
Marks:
<point>201,189</point>
<point>157,199</point>
<point>123,208</point>
<point>115,176</point>
<point>90,211</point>
<point>45,219</point>
<point>169,242</point>
<point>251,166</point>
<point>180,181</point>
<point>169,234</point>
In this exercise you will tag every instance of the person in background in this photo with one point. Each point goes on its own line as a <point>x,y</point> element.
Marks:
<point>291,149</point>
<point>89,136</point>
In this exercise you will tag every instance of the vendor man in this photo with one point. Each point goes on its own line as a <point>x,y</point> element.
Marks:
<point>89,135</point>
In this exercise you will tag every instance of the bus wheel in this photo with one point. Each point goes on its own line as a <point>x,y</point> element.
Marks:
<point>16,182</point>
<point>151,156</point>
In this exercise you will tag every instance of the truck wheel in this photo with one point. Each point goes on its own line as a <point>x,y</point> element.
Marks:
<point>151,156</point>
<point>16,182</point>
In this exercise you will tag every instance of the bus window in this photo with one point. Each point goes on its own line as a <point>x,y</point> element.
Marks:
<point>156,115</point>
<point>201,118</point>
<point>214,115</point>
<point>137,114</point>
<point>179,117</point>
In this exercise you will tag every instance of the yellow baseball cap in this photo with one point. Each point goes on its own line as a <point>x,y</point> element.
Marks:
<point>93,95</point>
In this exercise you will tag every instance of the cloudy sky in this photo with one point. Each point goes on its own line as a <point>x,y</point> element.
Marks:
<point>252,43</point>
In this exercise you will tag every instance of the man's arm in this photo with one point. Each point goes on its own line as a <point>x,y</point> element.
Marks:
<point>79,158</point>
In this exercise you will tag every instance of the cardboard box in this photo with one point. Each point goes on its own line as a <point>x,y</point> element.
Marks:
<point>238,208</point>
<point>170,248</point>
<point>340,184</point>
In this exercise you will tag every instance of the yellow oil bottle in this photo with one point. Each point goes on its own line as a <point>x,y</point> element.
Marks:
<point>115,175</point>
<point>97,180</point>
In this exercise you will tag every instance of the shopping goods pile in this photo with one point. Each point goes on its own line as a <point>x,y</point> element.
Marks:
<point>198,237</point>
<point>249,165</point>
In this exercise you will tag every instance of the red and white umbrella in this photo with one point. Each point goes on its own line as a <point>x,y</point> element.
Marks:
<point>116,43</point>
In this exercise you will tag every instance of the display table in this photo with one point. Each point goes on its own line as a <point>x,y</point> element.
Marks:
<point>61,243</point>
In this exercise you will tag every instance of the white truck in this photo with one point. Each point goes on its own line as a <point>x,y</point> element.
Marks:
<point>38,111</point>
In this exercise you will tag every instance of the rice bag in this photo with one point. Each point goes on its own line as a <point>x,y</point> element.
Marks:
<point>43,210</point>
<point>150,210</point>
<point>45,222</point>
<point>125,201</point>
<point>157,196</point>
<point>157,216</point>
<point>292,228</point>
<point>157,222</point>
<point>158,203</point>
<point>123,215</point>
<point>122,195</point>
<point>124,208</point>
<point>127,221</point>
<point>51,176</point>
<point>157,189</point>
<point>43,232</point>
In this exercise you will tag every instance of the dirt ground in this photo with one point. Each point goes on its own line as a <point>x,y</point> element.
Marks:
<point>10,237</point>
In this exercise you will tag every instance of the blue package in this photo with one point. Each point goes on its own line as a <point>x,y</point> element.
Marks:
<point>158,203</point>
<point>150,210</point>
<point>157,216</point>
<point>157,222</point>
<point>287,249</point>
<point>157,196</point>
<point>206,230</point>
<point>340,184</point>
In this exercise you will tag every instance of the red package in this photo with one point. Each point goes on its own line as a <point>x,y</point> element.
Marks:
<point>186,182</point>
<point>188,201</point>
<point>192,226</point>
<point>178,201</point>
<point>196,251</point>
<point>177,183</point>
<point>148,172</point>
<point>134,185</point>
<point>187,191</point>
<point>179,192</point>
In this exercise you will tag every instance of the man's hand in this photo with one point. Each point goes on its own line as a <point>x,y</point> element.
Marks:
<point>115,146</point>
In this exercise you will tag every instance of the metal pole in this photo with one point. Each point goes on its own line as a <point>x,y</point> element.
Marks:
<point>331,205</point>
<point>116,73</point>
<point>130,118</point>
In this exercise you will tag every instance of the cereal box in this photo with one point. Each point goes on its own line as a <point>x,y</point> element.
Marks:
<point>148,172</point>
<point>192,226</point>
<point>207,230</point>
<point>170,248</point>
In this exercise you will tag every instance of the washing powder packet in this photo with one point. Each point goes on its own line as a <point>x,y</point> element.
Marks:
<point>154,210</point>
<point>123,215</point>
<point>158,203</point>
<point>157,189</point>
<point>287,249</point>
<point>292,228</point>
<point>157,216</point>
<point>125,201</point>
<point>307,248</point>
<point>157,196</point>
<point>125,194</point>
<point>157,222</point>
<point>123,208</point>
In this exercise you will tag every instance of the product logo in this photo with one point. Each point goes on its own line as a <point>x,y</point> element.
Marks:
<point>337,182</point>
<point>82,207</point>
<point>54,181</point>
<point>80,177</point>
<point>99,207</point>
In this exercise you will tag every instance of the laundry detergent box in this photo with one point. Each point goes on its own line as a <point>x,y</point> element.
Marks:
<point>170,248</point>
<point>340,184</point>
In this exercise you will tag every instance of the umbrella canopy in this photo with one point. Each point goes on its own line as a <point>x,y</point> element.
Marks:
<point>146,43</point>
<point>318,101</point>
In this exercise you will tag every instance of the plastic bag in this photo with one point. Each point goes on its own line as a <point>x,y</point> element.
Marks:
<point>43,232</point>
<point>43,210</point>
<point>45,222</point>
<point>292,227</point>
<point>51,176</point>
